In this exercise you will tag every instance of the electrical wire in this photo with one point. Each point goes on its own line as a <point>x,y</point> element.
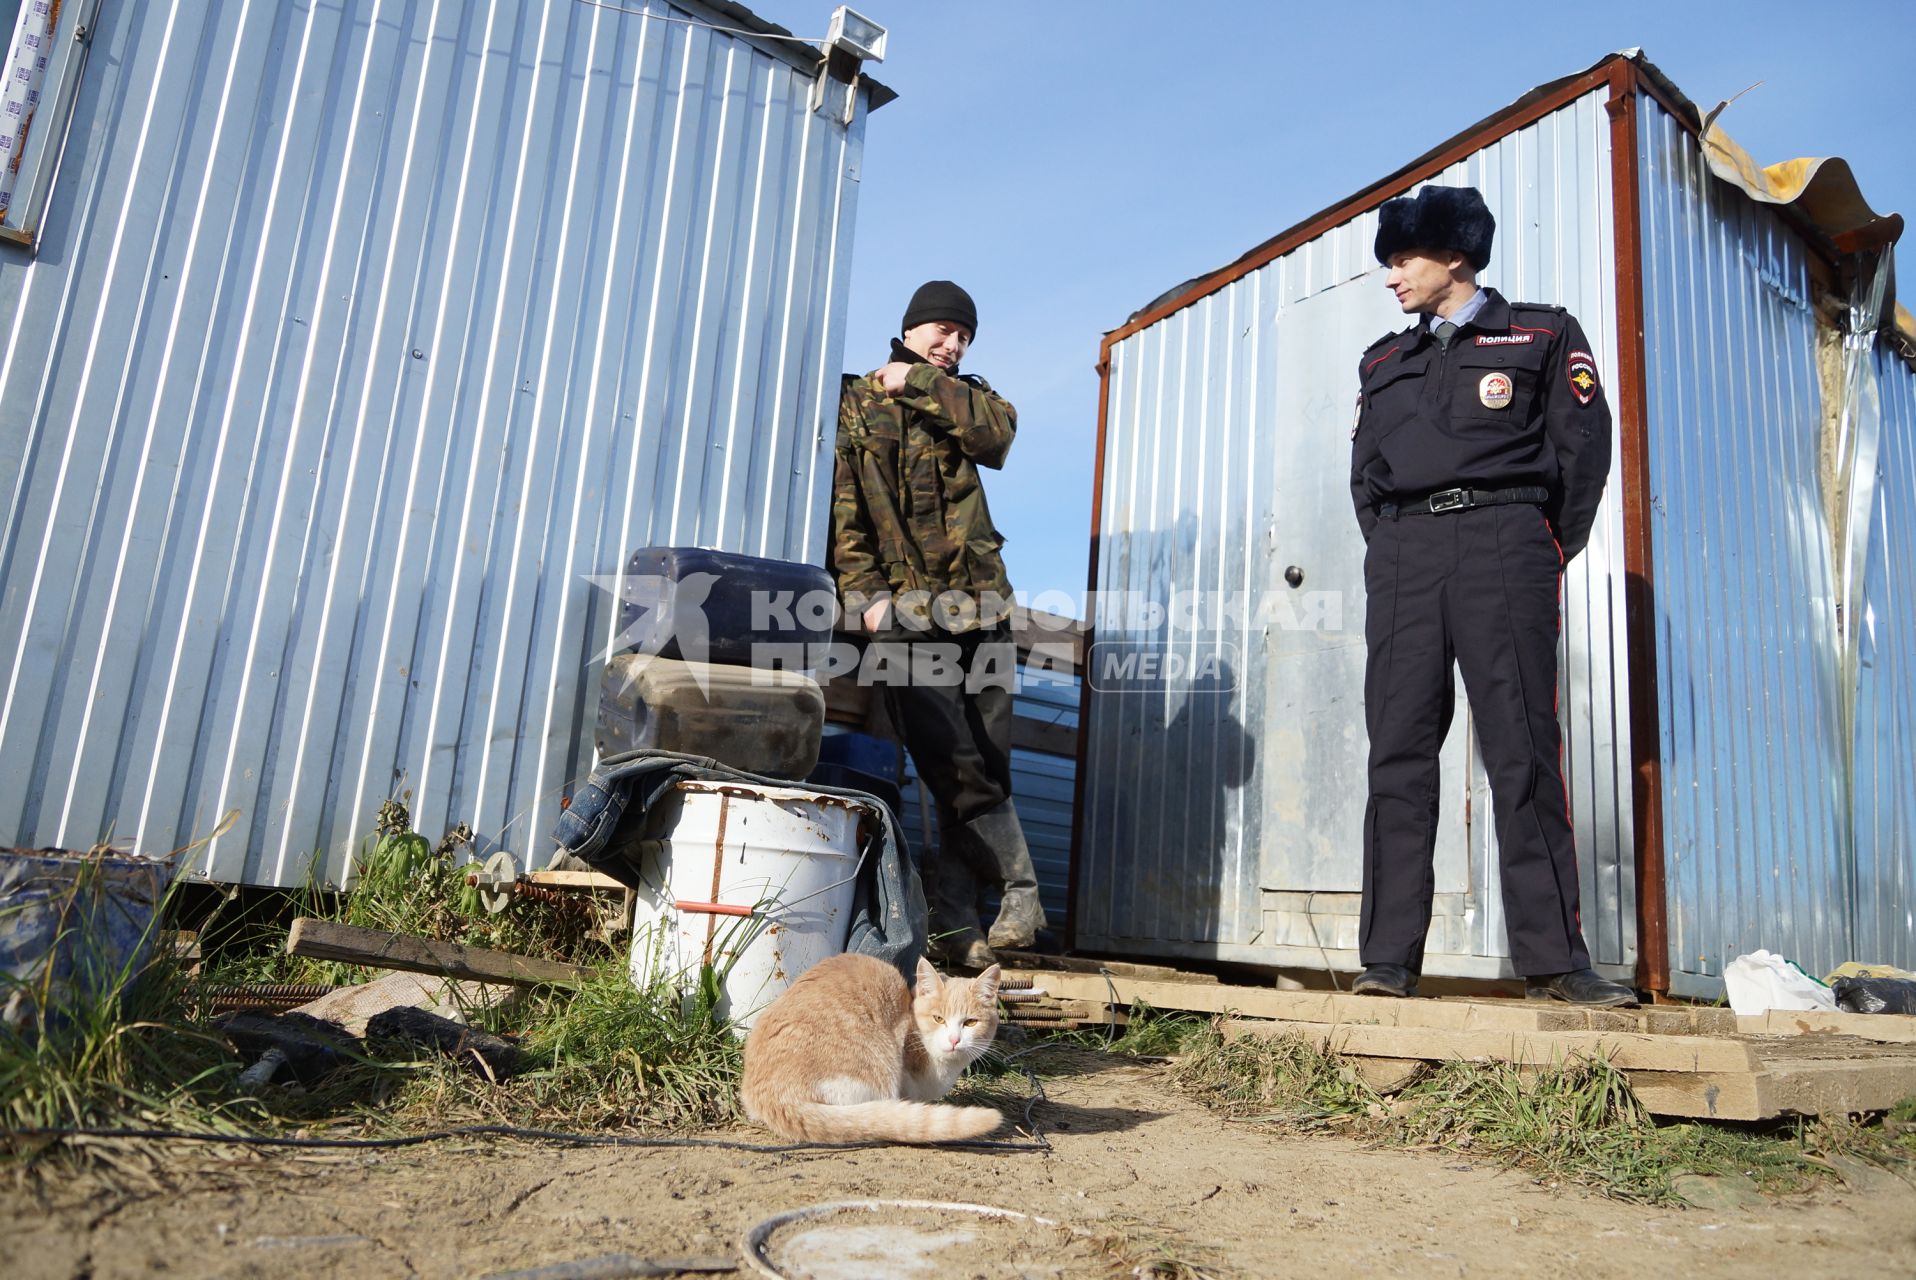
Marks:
<point>1031,1104</point>
<point>495,1131</point>
<point>1111,1026</point>
<point>1310,918</point>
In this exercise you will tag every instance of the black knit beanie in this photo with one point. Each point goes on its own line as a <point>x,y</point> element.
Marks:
<point>940,300</point>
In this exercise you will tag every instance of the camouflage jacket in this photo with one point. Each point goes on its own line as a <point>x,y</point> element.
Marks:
<point>908,510</point>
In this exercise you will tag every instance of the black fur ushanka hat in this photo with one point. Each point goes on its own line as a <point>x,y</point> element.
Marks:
<point>1453,218</point>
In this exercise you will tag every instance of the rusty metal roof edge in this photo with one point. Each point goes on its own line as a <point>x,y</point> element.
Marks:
<point>1193,289</point>
<point>1897,323</point>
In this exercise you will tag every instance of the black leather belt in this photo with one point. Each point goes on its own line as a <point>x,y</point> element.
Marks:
<point>1436,504</point>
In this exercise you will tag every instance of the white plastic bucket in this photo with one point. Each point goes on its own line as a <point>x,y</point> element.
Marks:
<point>752,882</point>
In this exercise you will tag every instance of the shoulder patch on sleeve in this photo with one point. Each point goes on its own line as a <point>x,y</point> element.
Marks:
<point>1581,370</point>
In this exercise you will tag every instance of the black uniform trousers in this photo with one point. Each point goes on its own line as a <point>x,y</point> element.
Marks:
<point>1480,588</point>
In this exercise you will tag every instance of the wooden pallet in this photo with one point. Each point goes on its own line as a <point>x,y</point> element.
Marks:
<point>1687,1061</point>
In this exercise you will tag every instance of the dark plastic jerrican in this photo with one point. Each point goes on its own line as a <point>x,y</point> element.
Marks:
<point>715,606</point>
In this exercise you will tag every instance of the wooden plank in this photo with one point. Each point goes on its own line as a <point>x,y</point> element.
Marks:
<point>572,880</point>
<point>1833,1087</point>
<point>326,940</point>
<point>1035,966</point>
<point>1623,1049</point>
<point>1897,1028</point>
<point>1047,737</point>
<point>1059,640</point>
<point>1875,1082</point>
<point>1700,1095</point>
<point>1339,1007</point>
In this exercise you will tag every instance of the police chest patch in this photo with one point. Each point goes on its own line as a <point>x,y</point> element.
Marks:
<point>1506,339</point>
<point>1582,372</point>
<point>1495,391</point>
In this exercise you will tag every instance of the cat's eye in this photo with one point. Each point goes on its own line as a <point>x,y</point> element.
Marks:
<point>971,1022</point>
<point>938,1018</point>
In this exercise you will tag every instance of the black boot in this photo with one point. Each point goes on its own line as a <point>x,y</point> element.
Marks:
<point>998,842</point>
<point>1580,986</point>
<point>1385,980</point>
<point>952,898</point>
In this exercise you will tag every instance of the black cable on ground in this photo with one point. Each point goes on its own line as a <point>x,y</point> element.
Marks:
<point>1031,1104</point>
<point>493,1131</point>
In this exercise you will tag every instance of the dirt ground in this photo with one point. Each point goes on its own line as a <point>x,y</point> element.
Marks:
<point>1128,1155</point>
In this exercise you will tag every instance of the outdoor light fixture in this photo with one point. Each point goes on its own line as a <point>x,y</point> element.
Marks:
<point>851,41</point>
<point>854,33</point>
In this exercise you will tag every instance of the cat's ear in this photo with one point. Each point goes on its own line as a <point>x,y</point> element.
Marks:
<point>928,979</point>
<point>986,985</point>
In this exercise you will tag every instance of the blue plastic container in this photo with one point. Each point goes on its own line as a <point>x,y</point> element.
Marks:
<point>863,752</point>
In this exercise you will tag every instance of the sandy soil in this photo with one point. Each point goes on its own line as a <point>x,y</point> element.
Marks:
<point>1127,1155</point>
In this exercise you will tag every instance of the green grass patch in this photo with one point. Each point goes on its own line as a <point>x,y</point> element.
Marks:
<point>1576,1124</point>
<point>142,1050</point>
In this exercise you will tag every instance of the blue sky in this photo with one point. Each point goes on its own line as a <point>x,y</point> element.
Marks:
<point>1068,161</point>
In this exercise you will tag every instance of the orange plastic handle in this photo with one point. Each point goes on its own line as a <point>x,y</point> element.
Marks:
<point>714,908</point>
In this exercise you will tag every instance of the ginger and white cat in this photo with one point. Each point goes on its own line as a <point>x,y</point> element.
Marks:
<point>852,1053</point>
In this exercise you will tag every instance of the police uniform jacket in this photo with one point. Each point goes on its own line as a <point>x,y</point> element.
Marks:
<point>1513,402</point>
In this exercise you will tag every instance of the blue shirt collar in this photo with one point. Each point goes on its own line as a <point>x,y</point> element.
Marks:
<point>1462,315</point>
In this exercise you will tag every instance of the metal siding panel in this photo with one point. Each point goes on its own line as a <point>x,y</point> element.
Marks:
<point>1218,373</point>
<point>1885,880</point>
<point>1754,835</point>
<point>259,553</point>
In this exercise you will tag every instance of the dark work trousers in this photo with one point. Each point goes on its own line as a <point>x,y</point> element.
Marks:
<point>1479,588</point>
<point>959,739</point>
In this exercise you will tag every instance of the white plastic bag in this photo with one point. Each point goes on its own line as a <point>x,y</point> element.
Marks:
<point>1764,980</point>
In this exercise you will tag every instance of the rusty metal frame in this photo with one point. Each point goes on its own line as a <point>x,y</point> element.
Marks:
<point>1631,406</point>
<point>1073,884</point>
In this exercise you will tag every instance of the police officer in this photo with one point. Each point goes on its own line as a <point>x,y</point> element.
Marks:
<point>917,559</point>
<point>1478,458</point>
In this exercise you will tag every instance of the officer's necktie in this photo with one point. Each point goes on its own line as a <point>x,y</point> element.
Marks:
<point>1445,332</point>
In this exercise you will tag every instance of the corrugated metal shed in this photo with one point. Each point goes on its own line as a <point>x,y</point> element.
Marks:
<point>359,338</point>
<point>1884,889</point>
<point>1755,826</point>
<point>1220,417</point>
<point>1724,798</point>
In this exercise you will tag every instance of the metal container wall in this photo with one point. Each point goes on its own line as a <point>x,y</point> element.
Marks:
<point>1223,806</point>
<point>1755,817</point>
<point>360,336</point>
<point>1885,805</point>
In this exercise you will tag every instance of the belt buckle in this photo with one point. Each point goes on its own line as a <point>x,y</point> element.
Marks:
<point>1448,500</point>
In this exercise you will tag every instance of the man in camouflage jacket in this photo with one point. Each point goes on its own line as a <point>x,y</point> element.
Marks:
<point>918,563</point>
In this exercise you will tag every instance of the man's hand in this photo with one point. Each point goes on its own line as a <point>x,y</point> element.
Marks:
<point>892,377</point>
<point>877,614</point>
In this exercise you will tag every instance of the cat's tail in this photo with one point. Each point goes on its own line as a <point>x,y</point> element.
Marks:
<point>890,1120</point>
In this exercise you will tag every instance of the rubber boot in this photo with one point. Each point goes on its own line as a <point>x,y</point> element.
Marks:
<point>953,901</point>
<point>998,839</point>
